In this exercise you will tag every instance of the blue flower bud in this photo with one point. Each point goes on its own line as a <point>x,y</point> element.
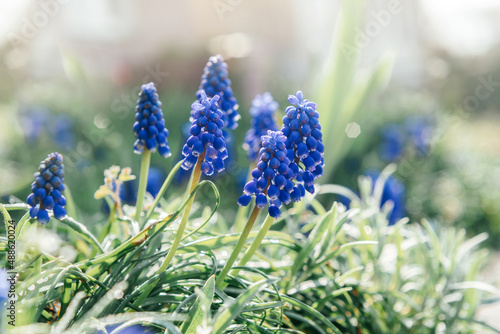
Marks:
<point>284,197</point>
<point>261,201</point>
<point>273,192</point>
<point>274,211</point>
<point>250,187</point>
<point>59,212</point>
<point>42,216</point>
<point>244,200</point>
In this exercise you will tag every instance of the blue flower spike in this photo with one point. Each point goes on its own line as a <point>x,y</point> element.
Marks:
<point>206,139</point>
<point>272,178</point>
<point>215,81</point>
<point>47,190</point>
<point>263,112</point>
<point>304,143</point>
<point>149,126</point>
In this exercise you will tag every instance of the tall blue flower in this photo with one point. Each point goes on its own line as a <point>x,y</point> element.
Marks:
<point>304,140</point>
<point>263,119</point>
<point>206,140</point>
<point>272,179</point>
<point>149,127</point>
<point>215,81</point>
<point>47,189</point>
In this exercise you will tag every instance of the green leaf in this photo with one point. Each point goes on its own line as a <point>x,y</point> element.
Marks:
<point>477,285</point>
<point>7,219</point>
<point>233,309</point>
<point>311,311</point>
<point>201,307</point>
<point>21,224</point>
<point>212,243</point>
<point>319,232</point>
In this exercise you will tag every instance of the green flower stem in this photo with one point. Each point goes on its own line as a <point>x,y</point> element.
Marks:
<point>256,243</point>
<point>241,214</point>
<point>240,218</point>
<point>162,190</point>
<point>195,179</point>
<point>237,249</point>
<point>143,182</point>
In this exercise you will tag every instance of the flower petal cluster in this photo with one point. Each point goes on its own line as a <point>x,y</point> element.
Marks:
<point>149,127</point>
<point>263,119</point>
<point>304,140</point>
<point>272,179</point>
<point>47,190</point>
<point>206,138</point>
<point>215,81</point>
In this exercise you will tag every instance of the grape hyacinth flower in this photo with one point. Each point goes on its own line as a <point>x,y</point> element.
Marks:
<point>393,142</point>
<point>215,81</point>
<point>293,154</point>
<point>263,119</point>
<point>420,130</point>
<point>272,179</point>
<point>206,138</point>
<point>149,127</point>
<point>47,190</point>
<point>304,142</point>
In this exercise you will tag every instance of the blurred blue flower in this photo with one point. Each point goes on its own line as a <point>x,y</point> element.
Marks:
<point>128,192</point>
<point>263,119</point>
<point>149,127</point>
<point>62,131</point>
<point>416,130</point>
<point>394,190</point>
<point>393,142</point>
<point>344,200</point>
<point>47,190</point>
<point>156,176</point>
<point>34,120</point>
<point>420,130</point>
<point>215,81</point>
